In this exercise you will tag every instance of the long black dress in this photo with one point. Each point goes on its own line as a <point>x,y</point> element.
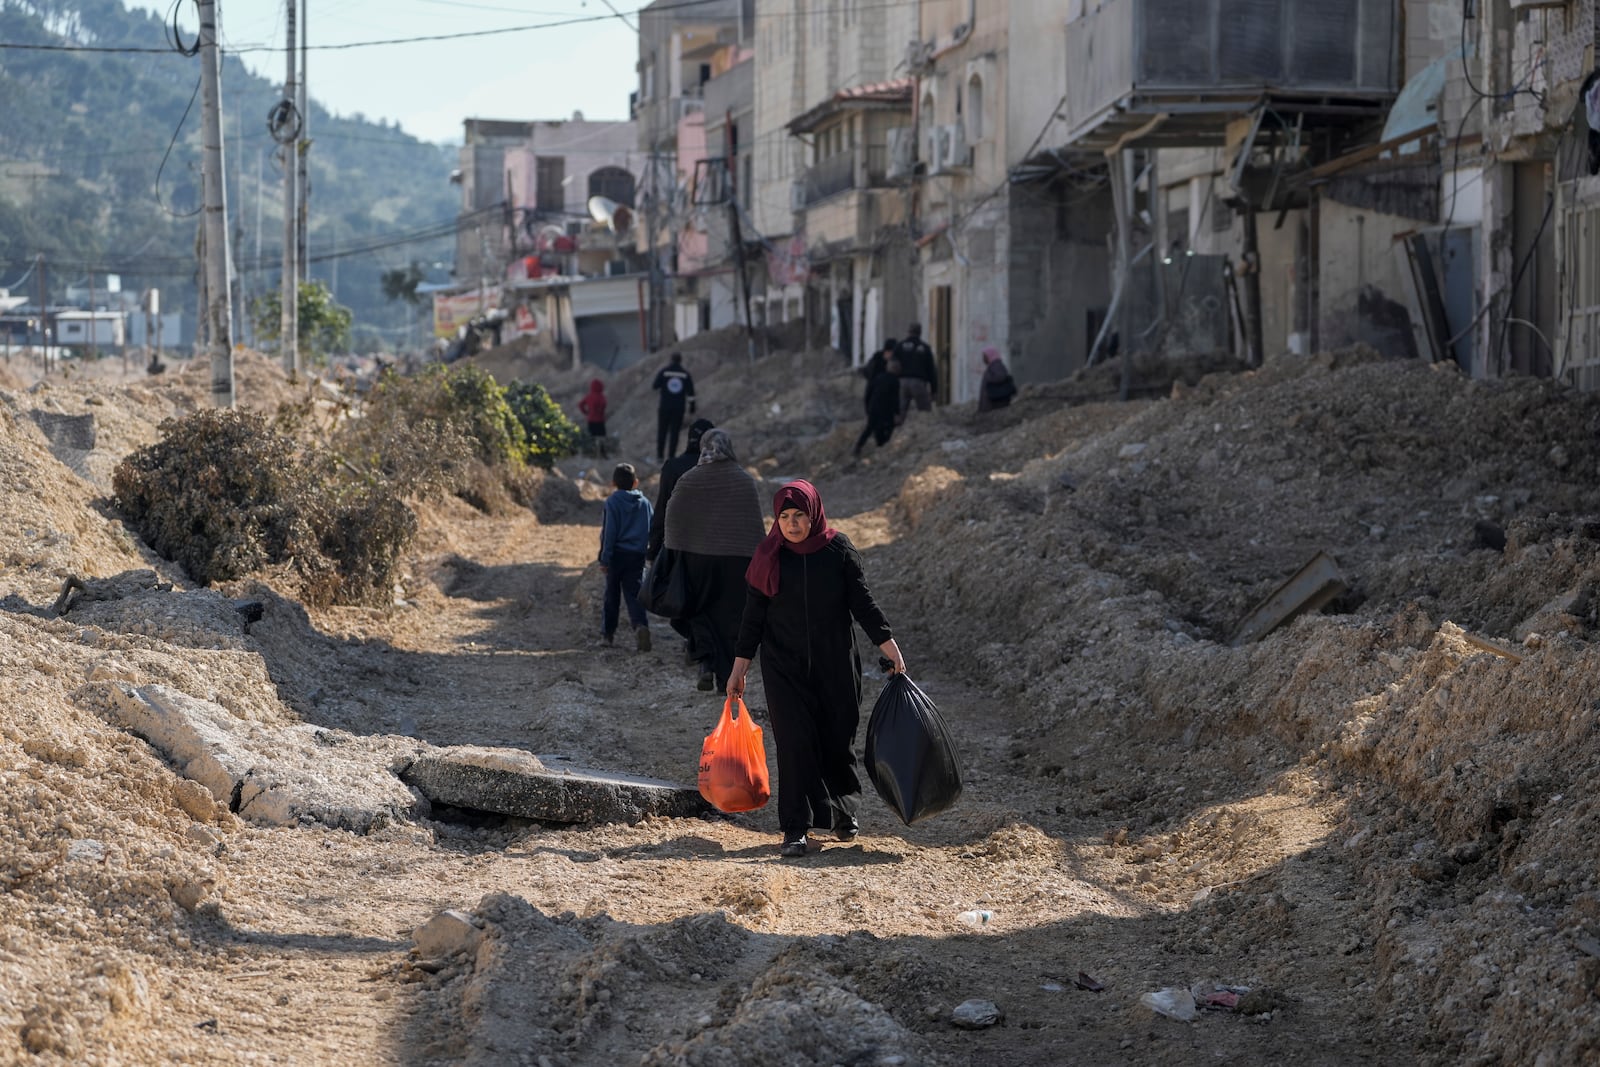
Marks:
<point>812,676</point>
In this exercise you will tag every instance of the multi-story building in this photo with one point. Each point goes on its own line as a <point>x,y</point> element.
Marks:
<point>830,196</point>
<point>525,194</point>
<point>683,48</point>
<point>1206,121</point>
<point>966,238</point>
<point>544,240</point>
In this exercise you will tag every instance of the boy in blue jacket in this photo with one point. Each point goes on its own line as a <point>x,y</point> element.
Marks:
<point>624,536</point>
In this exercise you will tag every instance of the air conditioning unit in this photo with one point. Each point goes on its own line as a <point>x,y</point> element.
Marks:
<point>575,227</point>
<point>957,154</point>
<point>797,196</point>
<point>902,152</point>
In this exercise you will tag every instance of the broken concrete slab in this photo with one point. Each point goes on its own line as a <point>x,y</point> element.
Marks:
<point>273,775</point>
<point>1309,589</point>
<point>511,782</point>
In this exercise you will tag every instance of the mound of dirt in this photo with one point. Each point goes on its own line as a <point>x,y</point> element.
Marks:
<point>1377,819</point>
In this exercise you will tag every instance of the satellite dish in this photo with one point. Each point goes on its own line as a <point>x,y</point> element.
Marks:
<point>614,216</point>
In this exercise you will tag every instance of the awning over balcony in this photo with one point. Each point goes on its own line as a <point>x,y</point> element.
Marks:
<point>887,96</point>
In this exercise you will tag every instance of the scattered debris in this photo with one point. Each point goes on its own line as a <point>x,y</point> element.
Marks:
<point>976,1014</point>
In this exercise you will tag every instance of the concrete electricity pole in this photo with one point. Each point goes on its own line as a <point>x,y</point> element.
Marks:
<point>219,294</point>
<point>303,207</point>
<point>289,319</point>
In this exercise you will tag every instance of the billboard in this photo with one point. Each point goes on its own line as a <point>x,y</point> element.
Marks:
<point>454,310</point>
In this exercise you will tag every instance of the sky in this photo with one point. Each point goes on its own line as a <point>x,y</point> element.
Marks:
<point>430,87</point>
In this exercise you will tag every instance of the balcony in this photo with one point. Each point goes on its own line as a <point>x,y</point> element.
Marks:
<point>858,168</point>
<point>1172,68</point>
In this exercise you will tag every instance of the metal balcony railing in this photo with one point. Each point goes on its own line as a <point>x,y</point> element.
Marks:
<point>857,168</point>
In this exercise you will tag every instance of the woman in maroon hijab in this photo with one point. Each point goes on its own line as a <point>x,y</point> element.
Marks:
<point>806,591</point>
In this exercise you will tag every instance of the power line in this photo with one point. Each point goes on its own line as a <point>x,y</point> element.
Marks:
<point>580,20</point>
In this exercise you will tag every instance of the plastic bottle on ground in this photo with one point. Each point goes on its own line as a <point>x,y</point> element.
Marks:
<point>977,917</point>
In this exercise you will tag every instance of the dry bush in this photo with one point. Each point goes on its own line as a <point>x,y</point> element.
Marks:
<point>225,495</point>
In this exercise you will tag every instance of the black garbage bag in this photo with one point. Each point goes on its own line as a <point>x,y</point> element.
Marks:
<point>909,756</point>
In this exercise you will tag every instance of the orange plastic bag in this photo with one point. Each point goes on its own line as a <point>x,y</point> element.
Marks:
<point>733,762</point>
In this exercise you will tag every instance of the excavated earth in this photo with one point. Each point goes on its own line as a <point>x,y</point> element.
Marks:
<point>1376,825</point>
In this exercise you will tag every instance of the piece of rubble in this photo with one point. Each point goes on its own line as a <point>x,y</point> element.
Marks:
<point>269,774</point>
<point>512,782</point>
<point>976,1014</point>
<point>446,934</point>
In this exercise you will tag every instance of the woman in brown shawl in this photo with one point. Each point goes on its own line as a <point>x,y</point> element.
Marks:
<point>714,522</point>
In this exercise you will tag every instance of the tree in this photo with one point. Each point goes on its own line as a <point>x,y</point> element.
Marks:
<point>324,325</point>
<point>401,283</point>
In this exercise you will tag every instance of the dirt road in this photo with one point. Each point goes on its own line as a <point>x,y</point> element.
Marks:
<point>1361,820</point>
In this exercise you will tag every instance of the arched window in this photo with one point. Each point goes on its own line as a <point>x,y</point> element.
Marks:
<point>613,183</point>
<point>974,109</point>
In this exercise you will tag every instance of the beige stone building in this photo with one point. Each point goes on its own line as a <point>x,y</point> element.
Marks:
<point>829,194</point>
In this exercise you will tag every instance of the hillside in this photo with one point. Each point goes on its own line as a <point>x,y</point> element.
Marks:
<point>1378,821</point>
<point>84,138</point>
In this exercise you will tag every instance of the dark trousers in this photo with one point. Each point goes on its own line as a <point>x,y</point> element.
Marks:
<point>813,730</point>
<point>669,420</point>
<point>622,583</point>
<point>880,430</point>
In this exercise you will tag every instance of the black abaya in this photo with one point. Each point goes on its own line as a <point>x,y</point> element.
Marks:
<point>812,676</point>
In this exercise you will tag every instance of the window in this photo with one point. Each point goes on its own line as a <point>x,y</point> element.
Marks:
<point>549,194</point>
<point>613,183</point>
<point>974,109</point>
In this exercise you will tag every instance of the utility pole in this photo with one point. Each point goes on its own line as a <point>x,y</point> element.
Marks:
<point>302,167</point>
<point>44,316</point>
<point>651,333</point>
<point>219,294</point>
<point>289,318</point>
<point>261,180</point>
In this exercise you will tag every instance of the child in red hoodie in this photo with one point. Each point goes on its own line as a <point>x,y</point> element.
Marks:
<point>593,408</point>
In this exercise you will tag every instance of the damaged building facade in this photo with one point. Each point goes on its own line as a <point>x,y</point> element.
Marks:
<point>1079,181</point>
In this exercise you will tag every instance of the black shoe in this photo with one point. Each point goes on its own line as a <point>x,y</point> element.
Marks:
<point>643,638</point>
<point>845,827</point>
<point>707,680</point>
<point>794,846</point>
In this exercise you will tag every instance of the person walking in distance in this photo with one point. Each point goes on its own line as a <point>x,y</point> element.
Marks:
<point>883,406</point>
<point>996,387</point>
<point>676,387</point>
<point>592,407</point>
<point>919,374</point>
<point>806,592</point>
<point>624,535</point>
<point>671,471</point>
<point>714,523</point>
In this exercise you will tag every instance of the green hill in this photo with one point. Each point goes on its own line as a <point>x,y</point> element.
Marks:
<point>88,181</point>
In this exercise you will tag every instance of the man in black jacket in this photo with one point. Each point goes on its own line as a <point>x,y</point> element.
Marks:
<point>677,392</point>
<point>918,373</point>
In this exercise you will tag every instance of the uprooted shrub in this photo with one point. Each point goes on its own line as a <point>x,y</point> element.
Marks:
<point>225,495</point>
